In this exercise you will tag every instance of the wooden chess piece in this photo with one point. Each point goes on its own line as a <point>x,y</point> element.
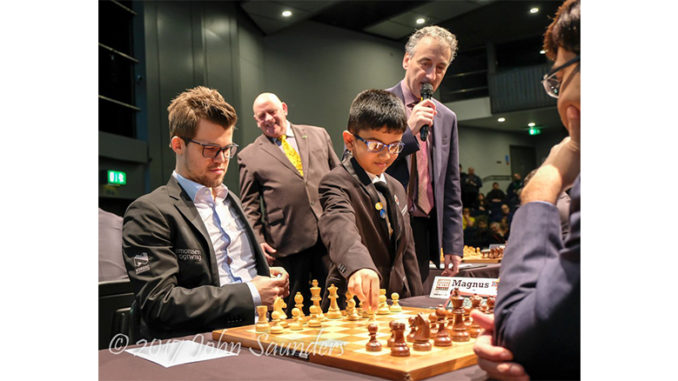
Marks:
<point>395,307</point>
<point>459,332</point>
<point>364,311</point>
<point>467,316</point>
<point>299,300</point>
<point>474,329</point>
<point>399,347</point>
<point>373,315</point>
<point>314,321</point>
<point>333,312</point>
<point>442,336</point>
<point>298,323</point>
<point>262,323</point>
<point>315,298</point>
<point>433,328</point>
<point>490,304</point>
<point>351,311</point>
<point>410,336</point>
<point>373,345</point>
<point>383,305</point>
<point>276,328</point>
<point>421,337</point>
<point>278,306</point>
<point>389,342</point>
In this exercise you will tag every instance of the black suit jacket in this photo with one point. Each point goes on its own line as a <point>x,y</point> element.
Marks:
<point>356,236</point>
<point>171,263</point>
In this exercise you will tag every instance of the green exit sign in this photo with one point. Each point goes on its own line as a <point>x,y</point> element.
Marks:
<point>117,177</point>
<point>534,131</point>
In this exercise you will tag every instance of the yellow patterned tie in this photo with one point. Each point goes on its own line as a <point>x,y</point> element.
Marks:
<point>291,153</point>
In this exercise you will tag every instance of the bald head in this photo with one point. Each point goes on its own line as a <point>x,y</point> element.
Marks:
<point>270,113</point>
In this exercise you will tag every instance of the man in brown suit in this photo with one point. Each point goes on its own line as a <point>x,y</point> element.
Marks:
<point>365,221</point>
<point>279,176</point>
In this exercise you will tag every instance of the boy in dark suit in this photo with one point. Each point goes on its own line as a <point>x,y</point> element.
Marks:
<point>365,222</point>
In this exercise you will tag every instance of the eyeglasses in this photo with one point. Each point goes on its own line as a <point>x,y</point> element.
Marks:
<point>211,151</point>
<point>375,146</point>
<point>551,82</point>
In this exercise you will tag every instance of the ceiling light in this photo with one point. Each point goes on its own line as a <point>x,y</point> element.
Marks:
<point>420,20</point>
<point>542,51</point>
<point>534,10</point>
<point>501,120</point>
<point>531,124</point>
<point>286,13</point>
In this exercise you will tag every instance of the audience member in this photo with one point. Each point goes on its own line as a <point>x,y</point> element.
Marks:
<point>512,191</point>
<point>365,223</point>
<point>468,221</point>
<point>434,204</point>
<point>279,176</point>
<point>193,259</point>
<point>496,235</point>
<point>496,194</point>
<point>481,209</point>
<point>111,264</point>
<point>470,188</point>
<point>537,312</point>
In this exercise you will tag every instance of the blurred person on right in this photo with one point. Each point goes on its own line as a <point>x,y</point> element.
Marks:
<point>535,331</point>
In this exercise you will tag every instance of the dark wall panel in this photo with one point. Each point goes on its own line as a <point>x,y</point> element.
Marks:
<point>519,89</point>
<point>187,44</point>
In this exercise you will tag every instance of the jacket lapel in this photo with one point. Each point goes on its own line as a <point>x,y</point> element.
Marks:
<point>438,137</point>
<point>186,207</point>
<point>272,149</point>
<point>355,170</point>
<point>302,143</point>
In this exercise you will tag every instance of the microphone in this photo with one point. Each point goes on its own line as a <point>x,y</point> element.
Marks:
<point>426,93</point>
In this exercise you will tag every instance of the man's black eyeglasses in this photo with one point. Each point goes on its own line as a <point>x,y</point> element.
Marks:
<point>551,82</point>
<point>211,151</point>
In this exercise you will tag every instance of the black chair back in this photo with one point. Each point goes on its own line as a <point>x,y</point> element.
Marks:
<point>115,300</point>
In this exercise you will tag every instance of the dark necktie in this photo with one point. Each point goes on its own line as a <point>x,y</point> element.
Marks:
<point>392,208</point>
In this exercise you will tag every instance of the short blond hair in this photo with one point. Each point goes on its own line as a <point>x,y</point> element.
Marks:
<point>197,103</point>
<point>432,31</point>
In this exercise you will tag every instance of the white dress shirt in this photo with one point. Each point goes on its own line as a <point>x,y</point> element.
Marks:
<point>227,232</point>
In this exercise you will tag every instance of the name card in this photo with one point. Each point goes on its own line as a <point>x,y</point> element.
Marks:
<point>443,285</point>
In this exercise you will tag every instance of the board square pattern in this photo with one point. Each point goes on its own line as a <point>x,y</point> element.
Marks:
<point>340,343</point>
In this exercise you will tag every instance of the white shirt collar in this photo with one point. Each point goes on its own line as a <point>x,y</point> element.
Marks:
<point>194,189</point>
<point>376,178</point>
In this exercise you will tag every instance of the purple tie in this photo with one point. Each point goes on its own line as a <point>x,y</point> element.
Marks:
<point>424,189</point>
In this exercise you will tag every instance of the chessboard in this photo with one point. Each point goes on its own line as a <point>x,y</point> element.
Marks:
<point>342,343</point>
<point>475,255</point>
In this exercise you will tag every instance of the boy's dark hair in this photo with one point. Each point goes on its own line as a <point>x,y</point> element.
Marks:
<point>564,31</point>
<point>373,109</point>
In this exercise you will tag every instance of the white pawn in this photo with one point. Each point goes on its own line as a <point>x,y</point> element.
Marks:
<point>395,307</point>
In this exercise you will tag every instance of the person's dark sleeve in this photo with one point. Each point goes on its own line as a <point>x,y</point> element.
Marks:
<point>537,308</point>
<point>453,231</point>
<point>411,144</point>
<point>250,197</point>
<point>163,303</point>
<point>333,160</point>
<point>338,228</point>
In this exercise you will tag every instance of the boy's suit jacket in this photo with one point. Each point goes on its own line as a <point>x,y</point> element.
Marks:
<point>357,237</point>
